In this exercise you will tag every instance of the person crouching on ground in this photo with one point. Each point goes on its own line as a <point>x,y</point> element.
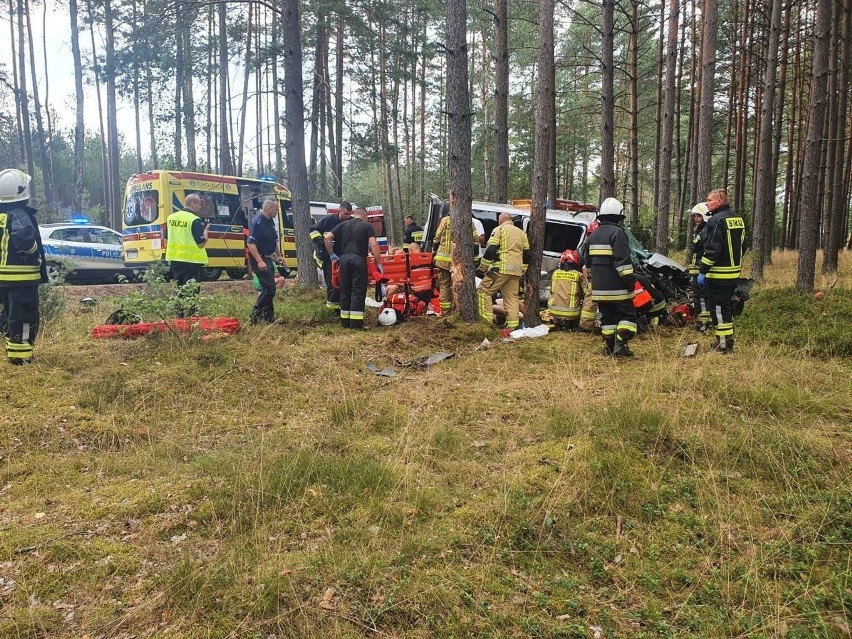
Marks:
<point>566,292</point>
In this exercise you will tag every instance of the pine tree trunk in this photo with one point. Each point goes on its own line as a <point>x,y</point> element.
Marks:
<point>338,106</point>
<point>188,98</point>
<point>840,209</point>
<point>658,115</point>
<point>96,72</point>
<point>226,164</point>
<point>764,198</point>
<point>704,159</point>
<point>810,223</point>
<point>545,114</point>
<point>294,106</point>
<point>244,110</point>
<point>634,115</point>
<point>313,152</point>
<point>458,138</point>
<point>178,105</point>
<point>276,119</point>
<point>114,205</point>
<point>13,54</point>
<point>501,101</point>
<point>48,117</point>
<point>662,239</point>
<point>607,102</point>
<point>80,126</point>
<point>40,135</point>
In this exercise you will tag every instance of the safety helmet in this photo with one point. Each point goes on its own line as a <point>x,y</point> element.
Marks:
<point>387,317</point>
<point>702,210</point>
<point>570,256</point>
<point>14,185</point>
<point>612,209</point>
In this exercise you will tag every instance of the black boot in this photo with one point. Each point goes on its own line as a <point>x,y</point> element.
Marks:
<point>724,344</point>
<point>622,349</point>
<point>609,346</point>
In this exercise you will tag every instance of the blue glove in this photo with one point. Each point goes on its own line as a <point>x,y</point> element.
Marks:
<point>702,279</point>
<point>333,257</point>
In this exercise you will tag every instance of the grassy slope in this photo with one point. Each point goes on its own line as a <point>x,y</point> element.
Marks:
<point>266,484</point>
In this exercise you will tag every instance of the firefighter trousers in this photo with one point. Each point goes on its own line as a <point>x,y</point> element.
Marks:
<point>618,320</point>
<point>353,290</point>
<point>719,298</point>
<point>332,295</point>
<point>508,286</point>
<point>445,289</point>
<point>19,320</point>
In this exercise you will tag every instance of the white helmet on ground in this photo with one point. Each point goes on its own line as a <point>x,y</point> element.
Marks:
<point>702,210</point>
<point>387,317</point>
<point>611,208</point>
<point>14,186</point>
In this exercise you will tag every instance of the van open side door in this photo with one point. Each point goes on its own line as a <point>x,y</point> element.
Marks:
<point>433,216</point>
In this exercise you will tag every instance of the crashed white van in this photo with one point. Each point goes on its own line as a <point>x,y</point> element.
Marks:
<point>563,229</point>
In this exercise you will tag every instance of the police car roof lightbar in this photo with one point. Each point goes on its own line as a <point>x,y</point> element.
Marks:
<point>79,219</point>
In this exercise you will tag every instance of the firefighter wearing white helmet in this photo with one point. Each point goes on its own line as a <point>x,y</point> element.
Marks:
<point>607,253</point>
<point>700,215</point>
<point>22,267</point>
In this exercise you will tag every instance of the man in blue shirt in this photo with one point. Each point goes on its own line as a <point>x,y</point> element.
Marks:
<point>263,252</point>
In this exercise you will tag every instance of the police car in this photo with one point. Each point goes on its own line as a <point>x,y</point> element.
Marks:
<point>79,251</point>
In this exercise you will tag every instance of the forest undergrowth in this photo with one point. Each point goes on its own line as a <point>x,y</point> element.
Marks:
<point>267,484</point>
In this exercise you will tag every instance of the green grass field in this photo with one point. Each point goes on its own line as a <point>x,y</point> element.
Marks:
<point>268,485</point>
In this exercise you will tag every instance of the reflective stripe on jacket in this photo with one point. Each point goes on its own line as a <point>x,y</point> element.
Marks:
<point>507,250</point>
<point>21,253</point>
<point>181,244</point>
<point>608,256</point>
<point>444,243</point>
<point>566,294</point>
<point>723,246</point>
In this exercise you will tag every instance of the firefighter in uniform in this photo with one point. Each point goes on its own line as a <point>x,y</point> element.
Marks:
<point>566,292</point>
<point>322,256</point>
<point>700,215</point>
<point>443,249</point>
<point>354,238</point>
<point>505,261</point>
<point>22,267</point>
<point>608,256</point>
<point>721,265</point>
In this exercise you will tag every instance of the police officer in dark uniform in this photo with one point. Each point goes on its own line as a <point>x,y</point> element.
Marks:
<point>721,265</point>
<point>22,267</point>
<point>607,253</point>
<point>353,239</point>
<point>262,244</point>
<point>322,256</point>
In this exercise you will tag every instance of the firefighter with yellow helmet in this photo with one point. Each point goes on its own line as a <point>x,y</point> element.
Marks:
<point>22,267</point>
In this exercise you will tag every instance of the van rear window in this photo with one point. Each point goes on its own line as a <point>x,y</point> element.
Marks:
<point>561,237</point>
<point>141,207</point>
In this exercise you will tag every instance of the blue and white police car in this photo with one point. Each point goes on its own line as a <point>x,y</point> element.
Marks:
<point>80,251</point>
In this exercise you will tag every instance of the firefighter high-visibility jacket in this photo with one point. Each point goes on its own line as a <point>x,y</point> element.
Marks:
<point>443,243</point>
<point>318,231</point>
<point>566,294</point>
<point>507,251</point>
<point>21,253</point>
<point>723,246</point>
<point>697,250</point>
<point>607,254</point>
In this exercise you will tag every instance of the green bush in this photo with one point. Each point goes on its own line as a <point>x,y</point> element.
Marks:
<point>784,317</point>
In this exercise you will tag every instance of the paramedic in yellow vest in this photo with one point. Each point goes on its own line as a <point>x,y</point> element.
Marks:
<point>505,261</point>
<point>186,236</point>
<point>566,292</point>
<point>443,248</point>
